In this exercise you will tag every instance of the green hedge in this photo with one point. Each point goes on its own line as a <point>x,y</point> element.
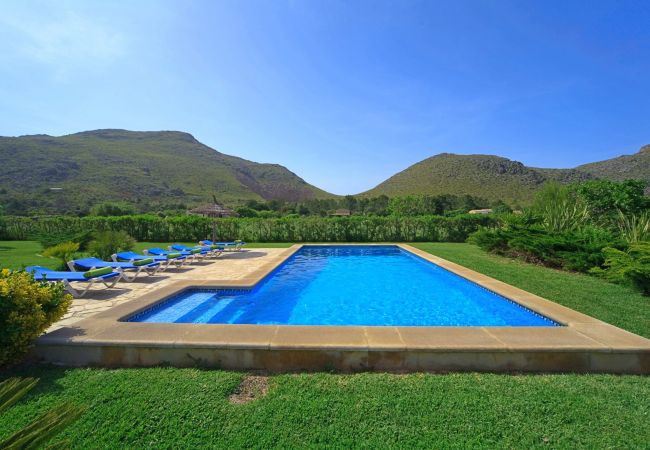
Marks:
<point>306,229</point>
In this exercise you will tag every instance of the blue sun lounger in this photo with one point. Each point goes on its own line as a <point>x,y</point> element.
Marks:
<point>200,252</point>
<point>227,246</point>
<point>89,278</point>
<point>156,251</point>
<point>165,261</point>
<point>129,270</point>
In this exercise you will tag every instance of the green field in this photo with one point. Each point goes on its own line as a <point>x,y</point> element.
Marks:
<point>189,408</point>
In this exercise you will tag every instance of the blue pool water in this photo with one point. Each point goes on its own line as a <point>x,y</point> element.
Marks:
<point>350,285</point>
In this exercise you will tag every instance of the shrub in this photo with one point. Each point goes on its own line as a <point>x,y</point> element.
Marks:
<point>606,198</point>
<point>630,267</point>
<point>3,224</point>
<point>501,207</point>
<point>578,250</point>
<point>112,209</point>
<point>106,243</point>
<point>50,239</point>
<point>245,211</point>
<point>559,208</point>
<point>64,252</point>
<point>27,309</point>
<point>634,227</point>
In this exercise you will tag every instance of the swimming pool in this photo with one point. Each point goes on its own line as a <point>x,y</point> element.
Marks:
<point>349,285</point>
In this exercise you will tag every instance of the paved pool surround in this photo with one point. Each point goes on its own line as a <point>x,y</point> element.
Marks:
<point>583,344</point>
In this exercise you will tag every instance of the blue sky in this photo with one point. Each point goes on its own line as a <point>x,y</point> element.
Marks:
<point>344,93</point>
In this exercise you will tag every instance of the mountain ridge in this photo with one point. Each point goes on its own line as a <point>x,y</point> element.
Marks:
<point>498,178</point>
<point>153,169</point>
<point>159,170</point>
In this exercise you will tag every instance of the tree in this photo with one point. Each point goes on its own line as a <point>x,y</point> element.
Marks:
<point>350,202</point>
<point>112,209</point>
<point>501,207</point>
<point>106,243</point>
<point>605,198</point>
<point>245,211</point>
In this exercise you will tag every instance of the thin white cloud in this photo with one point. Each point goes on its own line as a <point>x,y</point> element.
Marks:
<point>61,39</point>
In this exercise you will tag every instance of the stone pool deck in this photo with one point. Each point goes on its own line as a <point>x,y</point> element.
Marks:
<point>229,266</point>
<point>95,333</point>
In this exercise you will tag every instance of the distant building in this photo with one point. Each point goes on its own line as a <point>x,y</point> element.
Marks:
<point>341,212</point>
<point>481,211</point>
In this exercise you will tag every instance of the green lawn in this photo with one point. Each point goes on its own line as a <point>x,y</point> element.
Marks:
<point>189,408</point>
<point>18,254</point>
<point>137,408</point>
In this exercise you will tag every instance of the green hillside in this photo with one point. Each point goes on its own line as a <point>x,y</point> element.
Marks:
<point>153,170</point>
<point>497,178</point>
<point>622,168</point>
<point>487,176</point>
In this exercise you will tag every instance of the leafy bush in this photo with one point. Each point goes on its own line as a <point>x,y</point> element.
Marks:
<point>631,266</point>
<point>63,252</point>
<point>245,211</point>
<point>27,308</point>
<point>50,239</point>
<point>578,250</point>
<point>106,243</point>
<point>3,224</point>
<point>112,209</point>
<point>606,198</point>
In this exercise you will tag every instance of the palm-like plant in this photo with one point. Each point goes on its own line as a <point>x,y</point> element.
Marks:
<point>42,429</point>
<point>559,208</point>
<point>634,227</point>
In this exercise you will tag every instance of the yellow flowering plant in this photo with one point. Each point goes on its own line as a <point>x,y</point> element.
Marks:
<point>27,309</point>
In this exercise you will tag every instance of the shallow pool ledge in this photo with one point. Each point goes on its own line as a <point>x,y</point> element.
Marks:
<point>582,345</point>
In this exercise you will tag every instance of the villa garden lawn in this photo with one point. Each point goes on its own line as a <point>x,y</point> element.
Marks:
<point>189,408</point>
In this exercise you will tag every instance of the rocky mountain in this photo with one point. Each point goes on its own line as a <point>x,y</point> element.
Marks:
<point>70,174</point>
<point>497,178</point>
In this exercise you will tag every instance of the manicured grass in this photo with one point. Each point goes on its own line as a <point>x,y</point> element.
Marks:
<point>189,408</point>
<point>18,254</point>
<point>612,303</point>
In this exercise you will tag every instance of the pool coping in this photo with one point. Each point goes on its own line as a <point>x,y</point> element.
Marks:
<point>581,344</point>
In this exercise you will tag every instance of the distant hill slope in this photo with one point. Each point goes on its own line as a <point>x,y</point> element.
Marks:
<point>487,176</point>
<point>497,178</point>
<point>147,168</point>
<point>623,167</point>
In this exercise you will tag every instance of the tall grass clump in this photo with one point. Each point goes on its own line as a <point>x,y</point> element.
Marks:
<point>634,228</point>
<point>64,252</point>
<point>560,209</point>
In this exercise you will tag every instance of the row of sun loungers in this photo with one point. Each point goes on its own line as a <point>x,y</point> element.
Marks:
<point>128,265</point>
